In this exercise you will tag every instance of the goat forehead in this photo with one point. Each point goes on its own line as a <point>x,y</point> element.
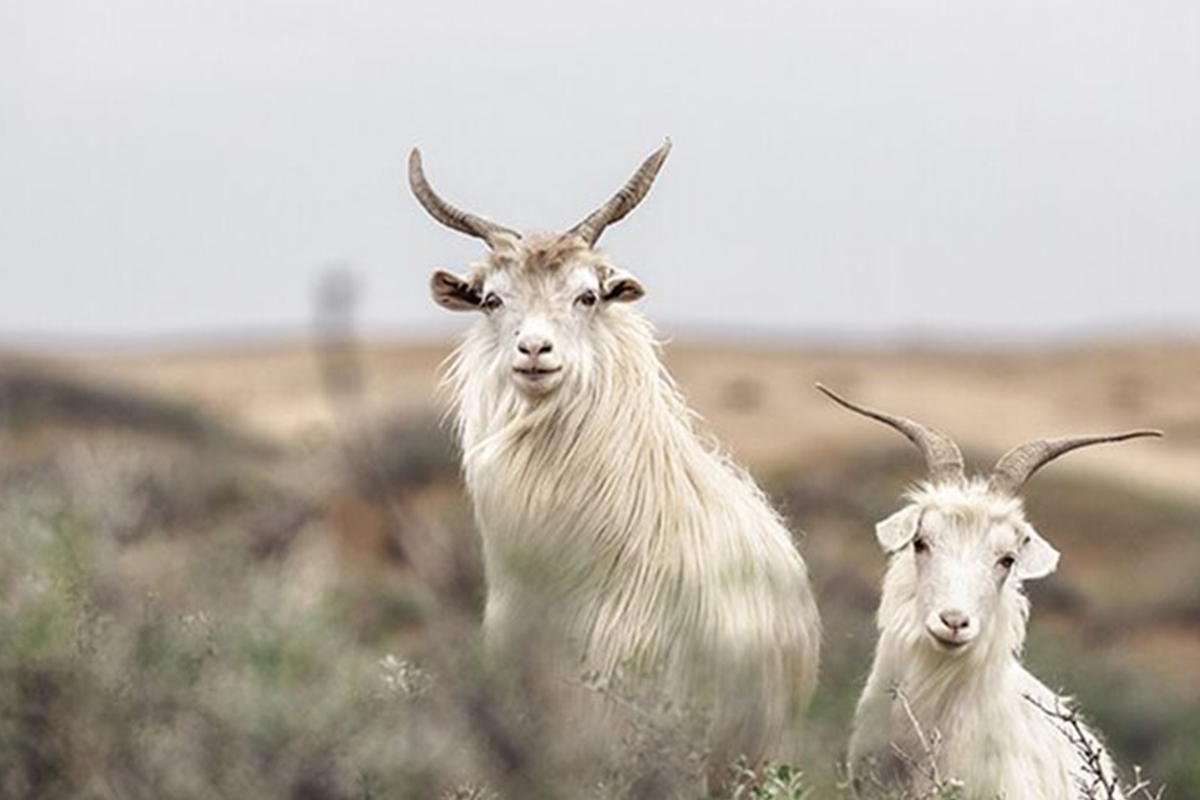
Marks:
<point>970,518</point>
<point>541,253</point>
<point>535,286</point>
<point>968,501</point>
<point>968,535</point>
<point>541,282</point>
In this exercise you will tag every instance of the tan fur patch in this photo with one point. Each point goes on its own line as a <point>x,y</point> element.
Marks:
<point>541,252</point>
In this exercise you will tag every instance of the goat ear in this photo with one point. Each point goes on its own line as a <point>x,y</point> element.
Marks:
<point>1037,557</point>
<point>899,529</point>
<point>621,287</point>
<point>452,292</point>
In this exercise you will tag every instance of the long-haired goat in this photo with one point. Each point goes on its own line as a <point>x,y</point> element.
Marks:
<point>604,516</point>
<point>947,698</point>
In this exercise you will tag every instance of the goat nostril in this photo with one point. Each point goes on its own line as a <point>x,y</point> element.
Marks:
<point>955,620</point>
<point>534,348</point>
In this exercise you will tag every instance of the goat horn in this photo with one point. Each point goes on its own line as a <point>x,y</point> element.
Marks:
<point>1017,465</point>
<point>942,456</point>
<point>626,199</point>
<point>444,212</point>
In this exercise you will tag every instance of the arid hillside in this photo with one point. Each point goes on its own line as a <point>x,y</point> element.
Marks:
<point>760,401</point>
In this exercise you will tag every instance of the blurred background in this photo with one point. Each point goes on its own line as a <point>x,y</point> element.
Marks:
<point>235,555</point>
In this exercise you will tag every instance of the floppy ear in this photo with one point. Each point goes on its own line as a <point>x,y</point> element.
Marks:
<point>898,530</point>
<point>1037,557</point>
<point>621,287</point>
<point>452,292</point>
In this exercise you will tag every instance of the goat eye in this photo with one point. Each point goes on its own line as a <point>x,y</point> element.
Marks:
<point>920,545</point>
<point>492,301</point>
<point>588,298</point>
<point>1007,561</point>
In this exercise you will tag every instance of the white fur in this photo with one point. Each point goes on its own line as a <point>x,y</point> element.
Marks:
<point>609,521</point>
<point>997,742</point>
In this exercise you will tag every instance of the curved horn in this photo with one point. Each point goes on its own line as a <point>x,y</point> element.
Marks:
<point>626,199</point>
<point>942,456</point>
<point>445,213</point>
<point>1017,465</point>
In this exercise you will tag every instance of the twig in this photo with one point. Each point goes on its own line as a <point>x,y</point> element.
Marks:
<point>1096,778</point>
<point>927,765</point>
<point>928,747</point>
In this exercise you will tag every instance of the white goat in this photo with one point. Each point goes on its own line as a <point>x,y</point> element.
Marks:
<point>947,698</point>
<point>603,514</point>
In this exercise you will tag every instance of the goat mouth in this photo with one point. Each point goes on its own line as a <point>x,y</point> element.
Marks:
<point>949,645</point>
<point>536,372</point>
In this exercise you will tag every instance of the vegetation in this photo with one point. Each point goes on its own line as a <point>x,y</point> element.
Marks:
<point>183,616</point>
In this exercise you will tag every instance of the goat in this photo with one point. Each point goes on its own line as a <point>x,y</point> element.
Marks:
<point>947,698</point>
<point>604,514</point>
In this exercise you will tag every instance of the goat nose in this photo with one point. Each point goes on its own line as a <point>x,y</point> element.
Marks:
<point>955,620</point>
<point>534,346</point>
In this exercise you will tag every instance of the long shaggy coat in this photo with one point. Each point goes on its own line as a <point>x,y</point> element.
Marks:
<point>609,521</point>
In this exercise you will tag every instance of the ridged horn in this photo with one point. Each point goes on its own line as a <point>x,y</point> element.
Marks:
<point>445,213</point>
<point>1017,465</point>
<point>624,201</point>
<point>942,456</point>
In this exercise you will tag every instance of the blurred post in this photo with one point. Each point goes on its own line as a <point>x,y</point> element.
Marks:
<point>343,376</point>
<point>337,349</point>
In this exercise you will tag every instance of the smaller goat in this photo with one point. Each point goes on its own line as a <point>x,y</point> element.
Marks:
<point>947,699</point>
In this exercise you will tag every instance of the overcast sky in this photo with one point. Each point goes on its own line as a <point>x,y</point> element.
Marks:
<point>1016,168</point>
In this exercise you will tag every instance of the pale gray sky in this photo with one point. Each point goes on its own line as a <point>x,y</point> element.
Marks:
<point>1010,167</point>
